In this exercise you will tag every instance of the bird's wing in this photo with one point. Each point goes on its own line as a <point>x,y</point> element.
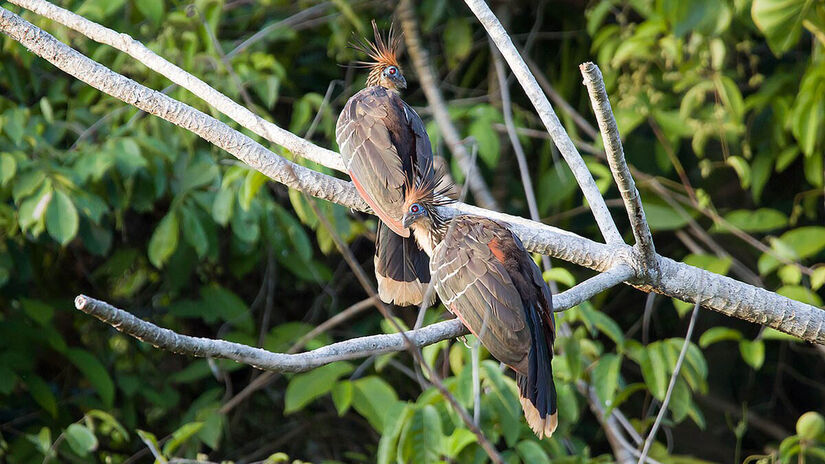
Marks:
<point>367,138</point>
<point>476,286</point>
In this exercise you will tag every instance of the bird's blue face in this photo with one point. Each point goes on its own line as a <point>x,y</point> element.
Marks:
<point>414,212</point>
<point>392,75</point>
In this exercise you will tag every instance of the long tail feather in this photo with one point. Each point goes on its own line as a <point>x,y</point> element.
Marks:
<point>537,392</point>
<point>401,268</point>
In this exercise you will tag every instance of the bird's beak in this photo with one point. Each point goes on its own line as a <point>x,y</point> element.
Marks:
<point>402,83</point>
<point>407,221</point>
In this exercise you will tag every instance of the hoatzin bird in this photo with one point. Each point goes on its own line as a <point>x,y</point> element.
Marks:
<point>384,146</point>
<point>484,276</point>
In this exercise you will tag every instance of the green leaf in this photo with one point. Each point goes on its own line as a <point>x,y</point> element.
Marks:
<point>128,157</point>
<point>94,372</point>
<point>489,146</point>
<point>742,168</point>
<point>33,209</point>
<point>760,220</point>
<point>531,452</point>
<point>303,388</point>
<point>780,21</point>
<point>455,443</point>
<point>37,310</point>
<point>397,418</point>
<point>709,263</point>
<point>8,380</point>
<point>773,334</point>
<point>805,241</point>
<point>27,183</point>
<point>151,442</point>
<point>753,352</point>
<point>458,40</point>
<point>422,438</point>
<point>800,293</point>
<point>680,400</point>
<point>605,378</point>
<point>718,334</point>
<point>198,174</point>
<point>604,323</point>
<point>342,396</point>
<point>372,397</point>
<point>151,9</point>
<point>654,369</point>
<point>180,436</point>
<point>194,233</point>
<point>252,184</point>
<point>61,218</point>
<point>110,422</point>
<point>560,275</point>
<point>80,439</point>
<point>223,205</point>
<point>663,217</point>
<point>8,167</point>
<point>164,240</point>
<point>43,440</point>
<point>42,394</point>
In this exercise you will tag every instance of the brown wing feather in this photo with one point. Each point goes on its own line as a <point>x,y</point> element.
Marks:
<point>382,141</point>
<point>474,285</point>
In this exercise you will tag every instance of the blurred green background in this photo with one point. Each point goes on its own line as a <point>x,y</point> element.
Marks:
<point>721,105</point>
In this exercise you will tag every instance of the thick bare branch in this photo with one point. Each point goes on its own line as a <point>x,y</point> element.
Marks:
<point>263,359</point>
<point>299,362</point>
<point>618,166</point>
<point>426,76</point>
<point>678,280</point>
<point>549,118</point>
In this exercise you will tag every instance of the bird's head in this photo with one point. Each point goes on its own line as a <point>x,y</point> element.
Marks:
<point>422,199</point>
<point>384,68</point>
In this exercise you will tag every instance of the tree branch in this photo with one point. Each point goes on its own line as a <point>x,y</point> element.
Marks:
<point>549,118</point>
<point>618,166</point>
<point>677,280</point>
<point>426,76</point>
<point>260,358</point>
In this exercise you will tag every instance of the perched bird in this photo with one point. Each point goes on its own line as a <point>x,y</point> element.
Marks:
<point>384,145</point>
<point>484,276</point>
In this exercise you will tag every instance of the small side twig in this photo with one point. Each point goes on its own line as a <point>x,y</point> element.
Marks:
<point>618,166</point>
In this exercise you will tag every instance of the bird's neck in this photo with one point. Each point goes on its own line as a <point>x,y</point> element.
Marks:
<point>431,232</point>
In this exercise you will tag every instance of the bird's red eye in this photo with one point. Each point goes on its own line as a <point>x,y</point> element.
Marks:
<point>392,70</point>
<point>414,208</point>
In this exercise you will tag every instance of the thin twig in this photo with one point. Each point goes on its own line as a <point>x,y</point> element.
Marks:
<point>655,428</point>
<point>621,173</point>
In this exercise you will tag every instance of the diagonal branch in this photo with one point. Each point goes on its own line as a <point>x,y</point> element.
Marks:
<point>548,117</point>
<point>618,166</point>
<point>421,61</point>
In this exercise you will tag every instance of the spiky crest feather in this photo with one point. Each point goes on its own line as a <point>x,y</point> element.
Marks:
<point>384,52</point>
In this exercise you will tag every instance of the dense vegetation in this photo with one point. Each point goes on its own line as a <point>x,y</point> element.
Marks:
<point>721,105</point>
